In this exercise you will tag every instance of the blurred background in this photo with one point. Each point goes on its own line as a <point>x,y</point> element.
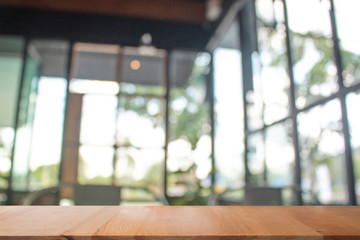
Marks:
<point>169,102</point>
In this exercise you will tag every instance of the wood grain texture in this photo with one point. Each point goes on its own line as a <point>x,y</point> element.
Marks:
<point>192,11</point>
<point>180,223</point>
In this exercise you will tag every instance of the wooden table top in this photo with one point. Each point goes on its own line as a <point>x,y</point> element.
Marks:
<point>179,223</point>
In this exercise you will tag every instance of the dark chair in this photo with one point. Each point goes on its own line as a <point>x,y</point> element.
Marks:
<point>249,195</point>
<point>90,195</point>
<point>96,195</point>
<point>263,196</point>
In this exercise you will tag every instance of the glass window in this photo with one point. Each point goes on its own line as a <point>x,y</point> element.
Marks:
<point>140,122</point>
<point>256,158</point>
<point>47,132</point>
<point>271,158</point>
<point>229,123</point>
<point>123,113</point>
<point>271,80</point>
<point>25,122</point>
<point>96,165</point>
<point>42,106</point>
<point>98,120</point>
<point>228,113</point>
<point>322,155</point>
<point>353,101</point>
<point>279,155</point>
<point>6,143</point>
<point>280,160</point>
<point>140,167</point>
<point>189,149</point>
<point>312,48</point>
<point>11,50</point>
<point>346,16</point>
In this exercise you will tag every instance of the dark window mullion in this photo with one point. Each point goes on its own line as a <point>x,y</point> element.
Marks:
<point>295,136</point>
<point>167,124</point>
<point>248,45</point>
<point>210,82</point>
<point>350,176</point>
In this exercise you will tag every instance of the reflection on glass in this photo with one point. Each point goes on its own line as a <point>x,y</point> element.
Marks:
<point>98,120</point>
<point>312,47</point>
<point>322,154</point>
<point>353,101</point>
<point>347,15</point>
<point>47,132</point>
<point>11,50</point>
<point>189,149</point>
<point>95,165</point>
<point>256,158</point>
<point>271,80</point>
<point>140,122</point>
<point>25,123</point>
<point>140,167</point>
<point>42,105</point>
<point>229,132</point>
<point>279,155</point>
<point>10,70</point>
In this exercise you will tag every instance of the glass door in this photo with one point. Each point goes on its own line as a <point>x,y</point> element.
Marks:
<point>116,111</point>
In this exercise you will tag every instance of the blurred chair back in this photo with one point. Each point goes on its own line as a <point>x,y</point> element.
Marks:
<point>263,196</point>
<point>96,195</point>
<point>91,195</point>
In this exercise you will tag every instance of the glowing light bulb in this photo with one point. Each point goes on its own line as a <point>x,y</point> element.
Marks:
<point>135,65</point>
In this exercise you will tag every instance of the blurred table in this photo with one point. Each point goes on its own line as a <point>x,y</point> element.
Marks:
<point>179,223</point>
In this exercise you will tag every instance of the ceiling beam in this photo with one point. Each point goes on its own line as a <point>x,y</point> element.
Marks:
<point>95,28</point>
<point>189,11</point>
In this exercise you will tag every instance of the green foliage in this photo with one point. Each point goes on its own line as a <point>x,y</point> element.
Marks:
<point>318,74</point>
<point>129,88</point>
<point>357,166</point>
<point>140,105</point>
<point>189,122</point>
<point>98,180</point>
<point>195,194</point>
<point>153,178</point>
<point>351,66</point>
<point>46,175</point>
<point>4,183</point>
<point>298,51</point>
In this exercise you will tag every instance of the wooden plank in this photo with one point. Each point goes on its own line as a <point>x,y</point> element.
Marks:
<point>211,223</point>
<point>192,11</point>
<point>180,223</point>
<point>333,223</point>
<point>34,223</point>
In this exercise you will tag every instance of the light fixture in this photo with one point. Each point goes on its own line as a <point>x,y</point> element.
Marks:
<point>135,64</point>
<point>145,47</point>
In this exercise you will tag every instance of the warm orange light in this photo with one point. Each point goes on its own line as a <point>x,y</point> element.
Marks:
<point>135,65</point>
